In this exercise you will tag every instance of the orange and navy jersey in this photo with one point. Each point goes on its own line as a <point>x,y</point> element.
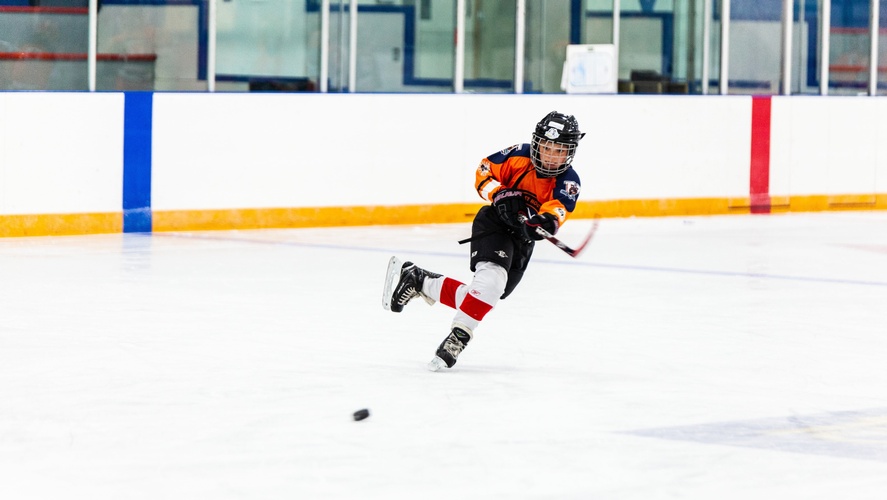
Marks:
<point>512,168</point>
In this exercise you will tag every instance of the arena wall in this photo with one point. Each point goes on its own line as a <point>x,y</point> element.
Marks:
<point>80,163</point>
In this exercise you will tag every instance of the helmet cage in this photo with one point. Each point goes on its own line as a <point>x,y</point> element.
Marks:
<point>554,144</point>
<point>543,153</point>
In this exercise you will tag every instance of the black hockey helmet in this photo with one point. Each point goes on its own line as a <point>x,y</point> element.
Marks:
<point>560,135</point>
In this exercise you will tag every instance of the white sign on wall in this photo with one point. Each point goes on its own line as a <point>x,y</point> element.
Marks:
<point>590,69</point>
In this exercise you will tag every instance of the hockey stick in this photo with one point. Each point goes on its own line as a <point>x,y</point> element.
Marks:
<point>572,252</point>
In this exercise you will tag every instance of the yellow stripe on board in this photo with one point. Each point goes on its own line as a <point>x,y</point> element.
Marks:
<point>260,218</point>
<point>197,220</point>
<point>60,224</point>
<point>661,208</point>
<point>266,218</point>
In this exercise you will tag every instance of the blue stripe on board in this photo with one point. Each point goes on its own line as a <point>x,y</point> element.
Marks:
<point>137,162</point>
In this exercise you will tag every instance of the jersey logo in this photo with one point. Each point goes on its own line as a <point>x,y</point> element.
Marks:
<point>571,190</point>
<point>502,254</point>
<point>484,168</point>
<point>561,213</point>
<point>508,150</point>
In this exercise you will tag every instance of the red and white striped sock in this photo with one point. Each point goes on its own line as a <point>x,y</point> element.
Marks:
<point>472,302</point>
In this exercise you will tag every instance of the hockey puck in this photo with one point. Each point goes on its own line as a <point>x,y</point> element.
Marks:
<point>361,414</point>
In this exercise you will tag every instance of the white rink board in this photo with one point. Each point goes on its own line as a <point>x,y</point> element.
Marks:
<point>329,150</point>
<point>831,145</point>
<point>61,152</point>
<point>246,151</point>
<point>642,147</point>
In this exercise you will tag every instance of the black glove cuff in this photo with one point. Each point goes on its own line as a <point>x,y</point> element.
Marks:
<point>510,207</point>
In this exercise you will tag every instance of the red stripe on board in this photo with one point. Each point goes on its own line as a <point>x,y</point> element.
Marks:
<point>475,308</point>
<point>448,292</point>
<point>759,184</point>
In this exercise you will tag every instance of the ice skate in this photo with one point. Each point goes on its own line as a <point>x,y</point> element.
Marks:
<point>449,349</point>
<point>403,283</point>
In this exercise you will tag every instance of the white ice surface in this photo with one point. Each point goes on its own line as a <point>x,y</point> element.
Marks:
<point>731,357</point>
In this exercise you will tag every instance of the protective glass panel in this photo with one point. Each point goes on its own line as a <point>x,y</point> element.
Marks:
<point>270,45</point>
<point>489,46</point>
<point>401,46</point>
<point>850,47</point>
<point>548,32</point>
<point>430,66</point>
<point>655,38</point>
<point>882,51</point>
<point>755,47</point>
<point>152,45</point>
<point>43,45</point>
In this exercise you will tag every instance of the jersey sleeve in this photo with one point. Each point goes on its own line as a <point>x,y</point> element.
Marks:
<point>494,170</point>
<point>564,196</point>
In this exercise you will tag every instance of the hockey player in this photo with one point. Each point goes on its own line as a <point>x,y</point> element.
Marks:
<point>529,186</point>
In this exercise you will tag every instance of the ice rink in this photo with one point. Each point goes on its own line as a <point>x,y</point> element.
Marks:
<point>726,357</point>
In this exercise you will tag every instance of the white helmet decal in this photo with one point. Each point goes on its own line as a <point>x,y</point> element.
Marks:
<point>552,133</point>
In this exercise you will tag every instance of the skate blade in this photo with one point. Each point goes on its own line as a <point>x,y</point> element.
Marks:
<point>391,276</point>
<point>436,364</point>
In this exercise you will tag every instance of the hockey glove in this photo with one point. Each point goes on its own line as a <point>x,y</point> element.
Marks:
<point>510,207</point>
<point>545,221</point>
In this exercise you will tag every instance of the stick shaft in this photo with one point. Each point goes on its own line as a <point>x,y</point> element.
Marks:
<point>572,252</point>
